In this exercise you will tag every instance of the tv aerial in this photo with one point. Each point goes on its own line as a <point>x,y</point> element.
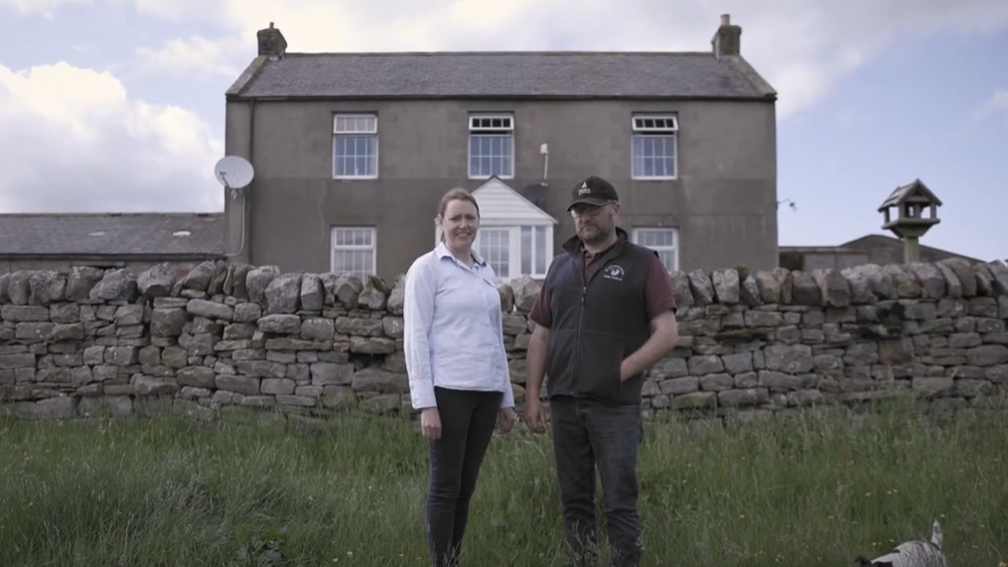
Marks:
<point>234,173</point>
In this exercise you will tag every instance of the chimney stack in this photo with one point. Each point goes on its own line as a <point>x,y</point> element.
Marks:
<point>271,42</point>
<point>728,38</point>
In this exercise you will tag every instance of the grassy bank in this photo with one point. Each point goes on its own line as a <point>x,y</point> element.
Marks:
<point>809,491</point>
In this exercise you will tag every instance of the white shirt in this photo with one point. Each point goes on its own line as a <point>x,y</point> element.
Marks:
<point>454,333</point>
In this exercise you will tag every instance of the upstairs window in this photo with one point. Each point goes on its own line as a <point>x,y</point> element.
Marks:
<point>355,146</point>
<point>491,146</point>
<point>653,149</point>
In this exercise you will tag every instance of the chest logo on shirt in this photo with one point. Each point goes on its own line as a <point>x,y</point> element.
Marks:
<point>613,272</point>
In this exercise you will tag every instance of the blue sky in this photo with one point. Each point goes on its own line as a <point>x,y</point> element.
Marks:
<point>914,112</point>
<point>118,104</point>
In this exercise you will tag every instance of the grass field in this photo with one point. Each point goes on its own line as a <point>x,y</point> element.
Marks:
<point>245,491</point>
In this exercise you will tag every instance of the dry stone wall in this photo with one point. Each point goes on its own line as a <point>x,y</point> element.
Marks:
<point>88,341</point>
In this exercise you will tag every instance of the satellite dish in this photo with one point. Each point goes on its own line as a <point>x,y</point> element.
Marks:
<point>233,172</point>
<point>537,194</point>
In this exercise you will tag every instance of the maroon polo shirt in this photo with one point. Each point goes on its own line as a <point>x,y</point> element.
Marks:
<point>658,295</point>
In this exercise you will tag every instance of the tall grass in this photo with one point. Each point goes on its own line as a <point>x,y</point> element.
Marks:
<point>248,490</point>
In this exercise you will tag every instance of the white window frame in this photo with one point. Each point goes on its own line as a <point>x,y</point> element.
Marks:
<point>675,248</point>
<point>369,121</point>
<point>654,126</point>
<point>547,248</point>
<point>480,126</point>
<point>373,247</point>
<point>514,254</point>
<point>514,246</point>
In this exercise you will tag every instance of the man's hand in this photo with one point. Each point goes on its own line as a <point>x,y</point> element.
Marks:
<point>664,336</point>
<point>625,370</point>
<point>535,415</point>
<point>535,357</point>
<point>506,419</point>
<point>430,423</point>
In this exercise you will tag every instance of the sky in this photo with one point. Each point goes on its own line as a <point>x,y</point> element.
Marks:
<point>118,105</point>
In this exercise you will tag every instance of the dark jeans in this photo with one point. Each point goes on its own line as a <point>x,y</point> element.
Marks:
<point>587,435</point>
<point>468,419</point>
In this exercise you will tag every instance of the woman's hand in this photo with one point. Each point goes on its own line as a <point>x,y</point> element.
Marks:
<point>506,419</point>
<point>430,423</point>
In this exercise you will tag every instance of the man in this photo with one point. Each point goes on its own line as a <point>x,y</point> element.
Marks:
<point>605,314</point>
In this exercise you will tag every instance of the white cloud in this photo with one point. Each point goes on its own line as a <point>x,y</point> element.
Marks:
<point>193,54</point>
<point>46,8</point>
<point>175,10</point>
<point>73,140</point>
<point>802,48</point>
<point>997,103</point>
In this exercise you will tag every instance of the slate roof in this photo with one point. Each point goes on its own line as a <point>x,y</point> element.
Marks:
<point>112,234</point>
<point>574,74</point>
<point>900,193</point>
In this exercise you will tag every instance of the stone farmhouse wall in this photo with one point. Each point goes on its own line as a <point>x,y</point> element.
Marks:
<point>87,341</point>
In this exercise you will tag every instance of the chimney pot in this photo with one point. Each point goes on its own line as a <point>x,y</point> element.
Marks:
<point>271,42</point>
<point>727,39</point>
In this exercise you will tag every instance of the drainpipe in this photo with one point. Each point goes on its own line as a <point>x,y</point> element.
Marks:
<point>246,206</point>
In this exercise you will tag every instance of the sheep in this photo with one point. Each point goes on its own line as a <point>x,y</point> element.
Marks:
<point>915,553</point>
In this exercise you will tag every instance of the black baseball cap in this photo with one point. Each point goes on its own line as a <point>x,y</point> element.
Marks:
<point>593,191</point>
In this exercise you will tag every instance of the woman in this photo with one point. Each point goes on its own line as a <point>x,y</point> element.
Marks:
<point>458,370</point>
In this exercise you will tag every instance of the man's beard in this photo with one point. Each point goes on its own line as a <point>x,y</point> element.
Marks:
<point>601,234</point>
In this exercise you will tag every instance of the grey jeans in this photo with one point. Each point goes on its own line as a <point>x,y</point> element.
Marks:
<point>586,435</point>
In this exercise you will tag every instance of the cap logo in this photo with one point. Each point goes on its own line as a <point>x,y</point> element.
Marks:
<point>584,189</point>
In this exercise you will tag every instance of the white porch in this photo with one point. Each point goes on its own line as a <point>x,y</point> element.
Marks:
<point>515,236</point>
